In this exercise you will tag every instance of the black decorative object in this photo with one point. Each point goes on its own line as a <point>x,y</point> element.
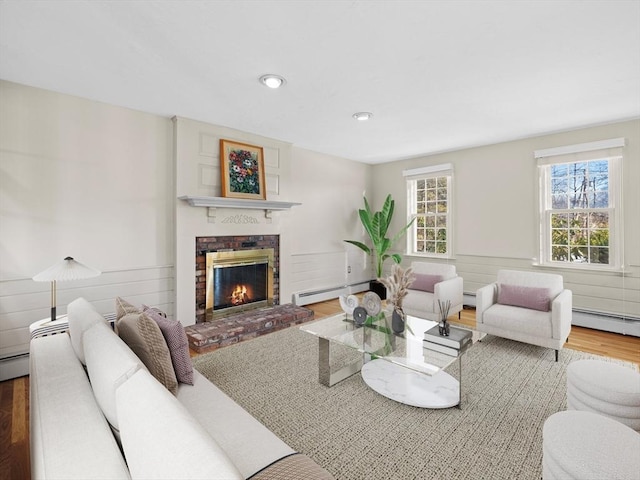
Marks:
<point>397,321</point>
<point>378,288</point>
<point>359,315</point>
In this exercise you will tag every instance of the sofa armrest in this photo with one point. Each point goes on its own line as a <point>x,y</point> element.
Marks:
<point>485,297</point>
<point>450,289</point>
<point>561,313</point>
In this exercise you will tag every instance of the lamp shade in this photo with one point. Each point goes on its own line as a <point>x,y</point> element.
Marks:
<point>67,269</point>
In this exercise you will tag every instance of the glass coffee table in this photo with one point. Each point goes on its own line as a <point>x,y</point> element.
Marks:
<point>399,367</point>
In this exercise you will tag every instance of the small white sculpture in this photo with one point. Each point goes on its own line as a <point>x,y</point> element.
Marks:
<point>348,303</point>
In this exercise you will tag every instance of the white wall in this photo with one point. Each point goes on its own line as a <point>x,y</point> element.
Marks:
<point>495,195</point>
<point>331,190</point>
<point>83,179</point>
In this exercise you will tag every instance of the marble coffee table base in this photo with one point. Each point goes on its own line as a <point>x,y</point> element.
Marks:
<point>407,386</point>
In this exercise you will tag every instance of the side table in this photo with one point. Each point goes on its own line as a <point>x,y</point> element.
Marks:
<point>44,327</point>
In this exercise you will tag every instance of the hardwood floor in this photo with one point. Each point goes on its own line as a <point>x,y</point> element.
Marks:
<point>14,394</point>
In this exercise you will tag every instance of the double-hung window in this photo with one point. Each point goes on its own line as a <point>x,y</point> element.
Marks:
<point>580,205</point>
<point>429,195</point>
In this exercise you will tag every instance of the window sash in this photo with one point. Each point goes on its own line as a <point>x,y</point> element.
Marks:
<point>428,229</point>
<point>613,209</point>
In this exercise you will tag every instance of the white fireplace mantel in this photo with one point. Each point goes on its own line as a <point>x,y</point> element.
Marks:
<point>242,203</point>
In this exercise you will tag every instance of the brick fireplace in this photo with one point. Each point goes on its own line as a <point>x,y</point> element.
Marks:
<point>210,333</point>
<point>205,245</point>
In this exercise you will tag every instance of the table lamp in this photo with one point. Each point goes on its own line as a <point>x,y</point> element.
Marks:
<point>67,269</point>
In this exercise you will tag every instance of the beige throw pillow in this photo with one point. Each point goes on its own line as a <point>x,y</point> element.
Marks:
<point>144,337</point>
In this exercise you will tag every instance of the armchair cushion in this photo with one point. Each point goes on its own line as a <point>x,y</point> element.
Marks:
<point>533,298</point>
<point>424,282</point>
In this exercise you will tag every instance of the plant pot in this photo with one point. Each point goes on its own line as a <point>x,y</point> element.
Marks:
<point>397,321</point>
<point>378,288</point>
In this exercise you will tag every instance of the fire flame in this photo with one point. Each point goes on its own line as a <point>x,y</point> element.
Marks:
<point>239,295</point>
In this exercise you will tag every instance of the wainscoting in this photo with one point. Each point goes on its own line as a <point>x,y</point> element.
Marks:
<point>25,301</point>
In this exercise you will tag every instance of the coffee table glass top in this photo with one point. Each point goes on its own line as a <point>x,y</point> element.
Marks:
<point>378,341</point>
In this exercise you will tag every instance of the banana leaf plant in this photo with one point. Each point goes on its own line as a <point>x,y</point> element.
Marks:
<point>376,224</point>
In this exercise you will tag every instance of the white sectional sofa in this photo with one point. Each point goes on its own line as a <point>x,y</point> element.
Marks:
<point>96,412</point>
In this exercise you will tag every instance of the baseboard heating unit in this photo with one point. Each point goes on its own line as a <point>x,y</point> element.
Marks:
<point>328,293</point>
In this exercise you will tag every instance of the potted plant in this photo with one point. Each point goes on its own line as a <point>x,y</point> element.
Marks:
<point>376,225</point>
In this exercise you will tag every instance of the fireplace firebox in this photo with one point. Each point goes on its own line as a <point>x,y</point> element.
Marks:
<point>238,280</point>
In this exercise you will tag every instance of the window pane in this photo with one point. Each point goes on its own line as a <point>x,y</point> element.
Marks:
<point>560,254</point>
<point>559,202</point>
<point>560,220</point>
<point>560,170</point>
<point>431,207</point>
<point>430,247</point>
<point>441,221</point>
<point>431,183</point>
<point>559,185</point>
<point>430,221</point>
<point>599,255</point>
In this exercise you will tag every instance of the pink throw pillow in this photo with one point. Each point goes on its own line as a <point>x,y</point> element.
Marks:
<point>424,282</point>
<point>533,298</point>
<point>178,344</point>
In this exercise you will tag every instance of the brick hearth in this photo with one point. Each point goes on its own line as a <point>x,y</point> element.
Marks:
<point>207,336</point>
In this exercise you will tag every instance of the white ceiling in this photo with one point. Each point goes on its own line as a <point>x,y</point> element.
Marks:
<point>438,75</point>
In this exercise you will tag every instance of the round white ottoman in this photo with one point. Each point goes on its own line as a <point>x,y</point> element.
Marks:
<point>605,388</point>
<point>585,445</point>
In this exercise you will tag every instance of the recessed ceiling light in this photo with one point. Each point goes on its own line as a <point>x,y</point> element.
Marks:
<point>362,116</point>
<point>272,81</point>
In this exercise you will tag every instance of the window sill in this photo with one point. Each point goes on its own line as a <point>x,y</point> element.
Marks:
<point>581,267</point>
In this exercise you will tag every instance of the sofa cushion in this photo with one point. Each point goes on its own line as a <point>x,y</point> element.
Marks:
<point>62,409</point>
<point>109,364</point>
<point>161,439</point>
<point>531,323</point>
<point>552,281</point>
<point>81,317</point>
<point>178,345</point>
<point>534,298</point>
<point>144,337</point>
<point>232,427</point>
<point>425,282</point>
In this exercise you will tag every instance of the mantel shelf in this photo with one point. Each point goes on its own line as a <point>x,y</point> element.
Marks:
<point>223,202</point>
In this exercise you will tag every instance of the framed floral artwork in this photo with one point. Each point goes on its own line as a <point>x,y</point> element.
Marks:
<point>242,168</point>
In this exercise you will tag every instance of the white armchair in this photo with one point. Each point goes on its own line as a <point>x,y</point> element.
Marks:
<point>528,307</point>
<point>434,281</point>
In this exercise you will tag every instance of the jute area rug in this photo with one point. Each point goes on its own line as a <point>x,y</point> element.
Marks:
<point>509,389</point>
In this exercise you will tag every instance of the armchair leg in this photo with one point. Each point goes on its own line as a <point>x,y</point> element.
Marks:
<point>557,351</point>
<point>459,315</point>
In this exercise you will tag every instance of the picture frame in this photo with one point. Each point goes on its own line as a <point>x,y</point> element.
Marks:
<point>242,170</point>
